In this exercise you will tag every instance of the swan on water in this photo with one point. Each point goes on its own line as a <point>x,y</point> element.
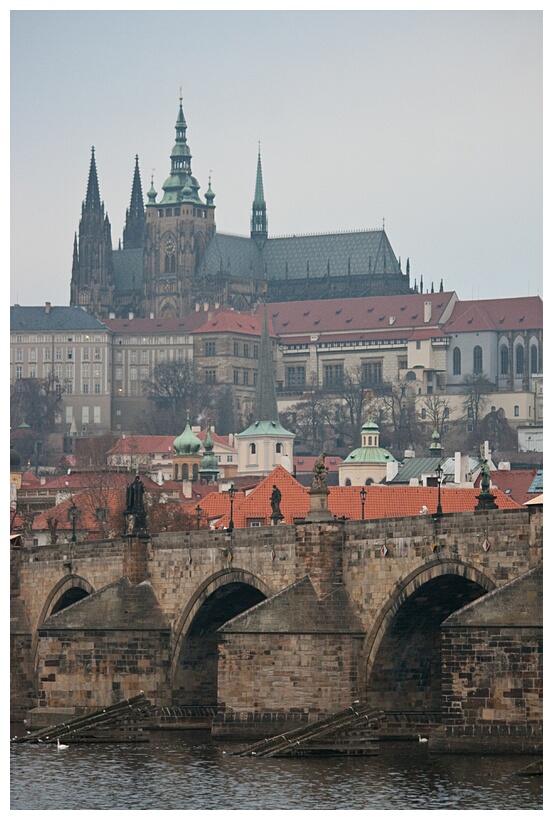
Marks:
<point>423,739</point>
<point>62,745</point>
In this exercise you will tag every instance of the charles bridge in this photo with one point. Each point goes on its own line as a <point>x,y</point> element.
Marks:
<point>291,620</point>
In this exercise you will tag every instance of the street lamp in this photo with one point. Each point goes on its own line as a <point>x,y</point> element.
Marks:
<point>72,515</point>
<point>363,494</point>
<point>198,516</point>
<point>439,473</point>
<point>232,493</point>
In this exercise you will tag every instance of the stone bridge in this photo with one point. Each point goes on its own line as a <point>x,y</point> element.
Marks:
<point>295,619</point>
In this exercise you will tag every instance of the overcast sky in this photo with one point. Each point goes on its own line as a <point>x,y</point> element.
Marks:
<point>431,121</point>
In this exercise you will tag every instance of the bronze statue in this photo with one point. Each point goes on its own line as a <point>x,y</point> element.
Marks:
<point>276,498</point>
<point>135,512</point>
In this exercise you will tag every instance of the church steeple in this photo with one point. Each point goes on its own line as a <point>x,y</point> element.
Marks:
<point>259,207</point>
<point>92,201</point>
<point>92,271</point>
<point>266,408</point>
<point>180,184</point>
<point>135,219</point>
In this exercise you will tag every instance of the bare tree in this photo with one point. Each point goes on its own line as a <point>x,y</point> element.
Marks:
<point>307,418</point>
<point>437,411</point>
<point>476,389</point>
<point>174,389</point>
<point>36,402</point>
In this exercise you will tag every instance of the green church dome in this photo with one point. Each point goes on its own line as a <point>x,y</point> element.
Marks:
<point>187,442</point>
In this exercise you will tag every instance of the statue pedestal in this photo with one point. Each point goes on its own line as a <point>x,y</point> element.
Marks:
<point>276,518</point>
<point>486,501</point>
<point>318,506</point>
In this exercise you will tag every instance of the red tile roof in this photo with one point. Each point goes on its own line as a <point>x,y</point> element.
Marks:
<point>522,313</point>
<point>149,326</point>
<point>382,501</point>
<point>361,313</point>
<point>305,464</point>
<point>230,321</point>
<point>514,483</point>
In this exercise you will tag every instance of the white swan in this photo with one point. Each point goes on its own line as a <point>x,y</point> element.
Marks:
<point>423,739</point>
<point>61,745</point>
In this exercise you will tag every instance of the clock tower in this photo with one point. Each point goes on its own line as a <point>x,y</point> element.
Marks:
<point>178,230</point>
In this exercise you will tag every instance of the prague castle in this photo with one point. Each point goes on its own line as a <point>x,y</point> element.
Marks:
<point>172,257</point>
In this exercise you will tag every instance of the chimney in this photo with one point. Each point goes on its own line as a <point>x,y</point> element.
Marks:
<point>427,311</point>
<point>112,315</point>
<point>151,315</point>
<point>48,307</point>
<point>131,315</point>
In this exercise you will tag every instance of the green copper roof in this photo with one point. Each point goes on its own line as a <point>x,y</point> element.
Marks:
<point>208,464</point>
<point>369,455</point>
<point>180,185</point>
<point>259,197</point>
<point>266,428</point>
<point>187,442</point>
<point>435,442</point>
<point>371,426</point>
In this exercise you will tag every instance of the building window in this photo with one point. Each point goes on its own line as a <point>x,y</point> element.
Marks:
<point>32,354</point>
<point>456,361</point>
<point>229,459</point>
<point>519,360</point>
<point>252,449</point>
<point>333,374</point>
<point>86,354</point>
<point>144,374</point>
<point>371,372</point>
<point>97,415</point>
<point>210,376</point>
<point>477,360</point>
<point>69,388</point>
<point>57,371</point>
<point>534,359</point>
<point>209,348</point>
<point>134,356</point>
<point>295,376</point>
<point>235,376</point>
<point>256,351</point>
<point>19,371</point>
<point>279,447</point>
<point>57,354</point>
<point>143,356</point>
<point>504,360</point>
<point>47,354</point>
<point>402,364</point>
<point>134,373</point>
<point>32,371</point>
<point>418,345</point>
<point>246,351</point>
<point>246,377</point>
<point>85,415</point>
<point>97,388</point>
<point>85,388</point>
<point>516,411</point>
<point>423,413</point>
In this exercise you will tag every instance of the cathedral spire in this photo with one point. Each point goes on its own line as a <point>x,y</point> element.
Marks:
<point>135,222</point>
<point>259,207</point>
<point>266,408</point>
<point>180,185</point>
<point>92,202</point>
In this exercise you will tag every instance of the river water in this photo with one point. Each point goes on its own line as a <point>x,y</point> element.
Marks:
<point>188,770</point>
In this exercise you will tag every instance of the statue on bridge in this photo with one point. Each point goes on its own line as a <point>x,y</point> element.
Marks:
<point>276,498</point>
<point>320,471</point>
<point>135,512</point>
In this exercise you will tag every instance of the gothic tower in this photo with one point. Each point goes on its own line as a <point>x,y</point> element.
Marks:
<point>92,272</point>
<point>135,218</point>
<point>178,231</point>
<point>259,230</point>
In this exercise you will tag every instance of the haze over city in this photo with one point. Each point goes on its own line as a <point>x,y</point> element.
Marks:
<point>430,122</point>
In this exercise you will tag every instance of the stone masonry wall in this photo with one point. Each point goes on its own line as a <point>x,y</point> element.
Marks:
<point>492,688</point>
<point>95,669</point>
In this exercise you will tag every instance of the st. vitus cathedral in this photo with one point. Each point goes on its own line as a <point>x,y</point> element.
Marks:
<point>172,256</point>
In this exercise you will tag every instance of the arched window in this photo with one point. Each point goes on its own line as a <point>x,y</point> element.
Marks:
<point>368,482</point>
<point>423,413</point>
<point>477,360</point>
<point>279,447</point>
<point>456,361</point>
<point>504,360</point>
<point>517,411</point>
<point>185,472</point>
<point>176,472</point>
<point>347,482</point>
<point>370,441</point>
<point>534,359</point>
<point>519,360</point>
<point>252,449</point>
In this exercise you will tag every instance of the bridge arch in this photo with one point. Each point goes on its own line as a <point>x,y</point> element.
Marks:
<point>402,652</point>
<point>219,598</point>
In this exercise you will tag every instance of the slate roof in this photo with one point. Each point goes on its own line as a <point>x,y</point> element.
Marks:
<point>56,320</point>
<point>415,468</point>
<point>537,484</point>
<point>521,313</point>
<point>316,255</point>
<point>128,269</point>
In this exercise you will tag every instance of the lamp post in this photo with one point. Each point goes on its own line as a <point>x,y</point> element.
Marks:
<point>439,473</point>
<point>72,515</point>
<point>363,494</point>
<point>198,516</point>
<point>232,493</point>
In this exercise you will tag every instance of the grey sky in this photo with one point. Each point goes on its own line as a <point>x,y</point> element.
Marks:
<point>429,120</point>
